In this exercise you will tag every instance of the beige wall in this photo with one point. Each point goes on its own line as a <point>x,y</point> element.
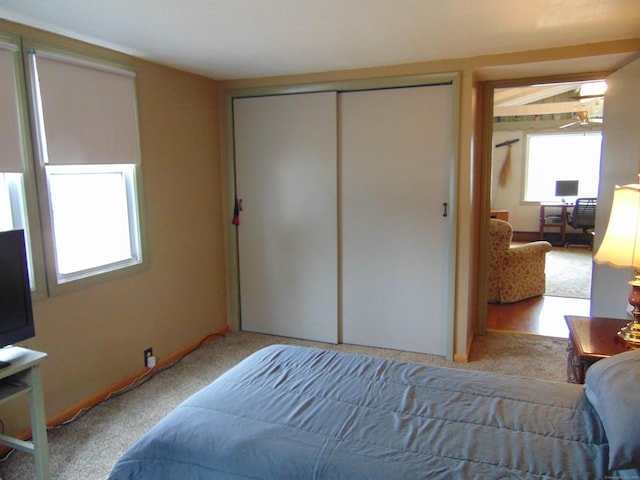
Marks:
<point>95,336</point>
<point>620,166</point>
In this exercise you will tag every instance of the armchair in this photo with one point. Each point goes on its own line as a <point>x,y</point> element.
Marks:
<point>515,272</point>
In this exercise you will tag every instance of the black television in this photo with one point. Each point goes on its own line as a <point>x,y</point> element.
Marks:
<point>16,314</point>
<point>566,188</point>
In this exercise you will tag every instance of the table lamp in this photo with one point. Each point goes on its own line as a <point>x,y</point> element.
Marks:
<point>620,248</point>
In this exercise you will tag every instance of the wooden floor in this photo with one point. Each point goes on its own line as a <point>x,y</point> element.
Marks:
<point>537,316</point>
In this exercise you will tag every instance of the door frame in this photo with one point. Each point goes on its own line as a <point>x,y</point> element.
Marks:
<point>231,237</point>
<point>488,89</point>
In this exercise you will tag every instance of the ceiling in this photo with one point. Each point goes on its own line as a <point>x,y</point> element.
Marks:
<point>577,106</point>
<point>540,100</point>
<point>230,39</point>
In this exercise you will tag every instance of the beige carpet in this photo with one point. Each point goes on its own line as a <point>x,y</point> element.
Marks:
<point>87,448</point>
<point>568,272</point>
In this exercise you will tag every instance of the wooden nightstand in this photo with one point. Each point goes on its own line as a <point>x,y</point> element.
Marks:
<point>591,339</point>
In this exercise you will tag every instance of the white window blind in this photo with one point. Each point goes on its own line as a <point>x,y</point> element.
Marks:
<point>88,111</point>
<point>10,133</point>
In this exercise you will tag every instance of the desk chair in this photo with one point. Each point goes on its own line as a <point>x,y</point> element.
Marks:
<point>583,217</point>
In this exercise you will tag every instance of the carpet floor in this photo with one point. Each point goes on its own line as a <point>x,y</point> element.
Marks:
<point>568,272</point>
<point>87,448</point>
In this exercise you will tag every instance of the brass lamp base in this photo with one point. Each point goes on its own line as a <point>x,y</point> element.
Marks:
<point>631,334</point>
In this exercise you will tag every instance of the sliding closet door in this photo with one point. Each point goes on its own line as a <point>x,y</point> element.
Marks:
<point>286,170</point>
<point>396,157</point>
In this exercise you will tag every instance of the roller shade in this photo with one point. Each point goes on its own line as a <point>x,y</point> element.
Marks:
<point>87,111</point>
<point>10,134</point>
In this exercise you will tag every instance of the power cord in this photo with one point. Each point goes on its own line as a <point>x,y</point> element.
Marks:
<point>8,454</point>
<point>135,383</point>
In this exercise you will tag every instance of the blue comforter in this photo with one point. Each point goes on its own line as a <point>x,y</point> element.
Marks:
<point>298,413</point>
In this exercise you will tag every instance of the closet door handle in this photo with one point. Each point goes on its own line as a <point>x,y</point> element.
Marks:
<point>445,209</point>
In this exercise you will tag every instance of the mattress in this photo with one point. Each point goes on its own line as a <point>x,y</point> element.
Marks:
<point>295,412</point>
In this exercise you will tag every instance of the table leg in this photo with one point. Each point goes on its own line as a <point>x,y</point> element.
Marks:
<point>38,424</point>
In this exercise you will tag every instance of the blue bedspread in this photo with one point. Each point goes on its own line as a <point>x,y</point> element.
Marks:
<point>298,413</point>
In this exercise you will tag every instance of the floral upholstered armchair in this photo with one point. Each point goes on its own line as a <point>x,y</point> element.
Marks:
<point>515,272</point>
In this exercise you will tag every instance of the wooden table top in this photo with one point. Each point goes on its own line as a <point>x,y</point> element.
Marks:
<point>596,336</point>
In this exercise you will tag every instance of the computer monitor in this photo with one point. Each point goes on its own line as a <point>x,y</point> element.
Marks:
<point>566,188</point>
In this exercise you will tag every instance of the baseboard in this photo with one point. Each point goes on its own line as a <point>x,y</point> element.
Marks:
<point>90,402</point>
<point>464,357</point>
<point>553,238</point>
<point>461,358</point>
<point>525,236</point>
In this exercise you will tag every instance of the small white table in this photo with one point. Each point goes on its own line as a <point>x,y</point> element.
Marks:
<point>22,377</point>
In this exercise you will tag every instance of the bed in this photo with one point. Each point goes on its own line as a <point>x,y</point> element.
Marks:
<point>289,412</point>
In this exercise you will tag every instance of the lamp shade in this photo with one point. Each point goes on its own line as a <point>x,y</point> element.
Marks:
<point>621,243</point>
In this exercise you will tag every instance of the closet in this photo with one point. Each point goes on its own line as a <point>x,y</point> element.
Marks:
<point>347,230</point>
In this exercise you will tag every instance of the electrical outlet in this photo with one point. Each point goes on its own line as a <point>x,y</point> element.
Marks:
<point>148,353</point>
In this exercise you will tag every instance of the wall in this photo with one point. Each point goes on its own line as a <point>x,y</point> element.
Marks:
<point>95,336</point>
<point>523,218</point>
<point>620,166</point>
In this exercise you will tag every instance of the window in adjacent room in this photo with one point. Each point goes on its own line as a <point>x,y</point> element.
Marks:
<point>89,159</point>
<point>561,156</point>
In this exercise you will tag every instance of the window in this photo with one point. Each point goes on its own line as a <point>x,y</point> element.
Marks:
<point>70,127</point>
<point>15,152</point>
<point>561,156</point>
<point>91,211</point>
<point>13,212</point>
<point>88,158</point>
<point>88,146</point>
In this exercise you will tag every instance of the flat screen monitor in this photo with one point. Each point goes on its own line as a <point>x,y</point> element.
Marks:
<point>16,315</point>
<point>567,188</point>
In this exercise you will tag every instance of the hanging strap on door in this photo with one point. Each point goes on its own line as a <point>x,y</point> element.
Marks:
<point>237,208</point>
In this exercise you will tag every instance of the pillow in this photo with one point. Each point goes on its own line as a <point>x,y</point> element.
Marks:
<point>613,388</point>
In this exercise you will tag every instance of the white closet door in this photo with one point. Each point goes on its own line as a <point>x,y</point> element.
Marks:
<point>396,154</point>
<point>286,170</point>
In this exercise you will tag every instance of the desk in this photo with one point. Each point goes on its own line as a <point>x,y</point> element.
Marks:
<point>560,212</point>
<point>22,377</point>
<point>500,214</point>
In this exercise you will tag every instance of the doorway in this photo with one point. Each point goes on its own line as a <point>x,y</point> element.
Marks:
<point>544,109</point>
